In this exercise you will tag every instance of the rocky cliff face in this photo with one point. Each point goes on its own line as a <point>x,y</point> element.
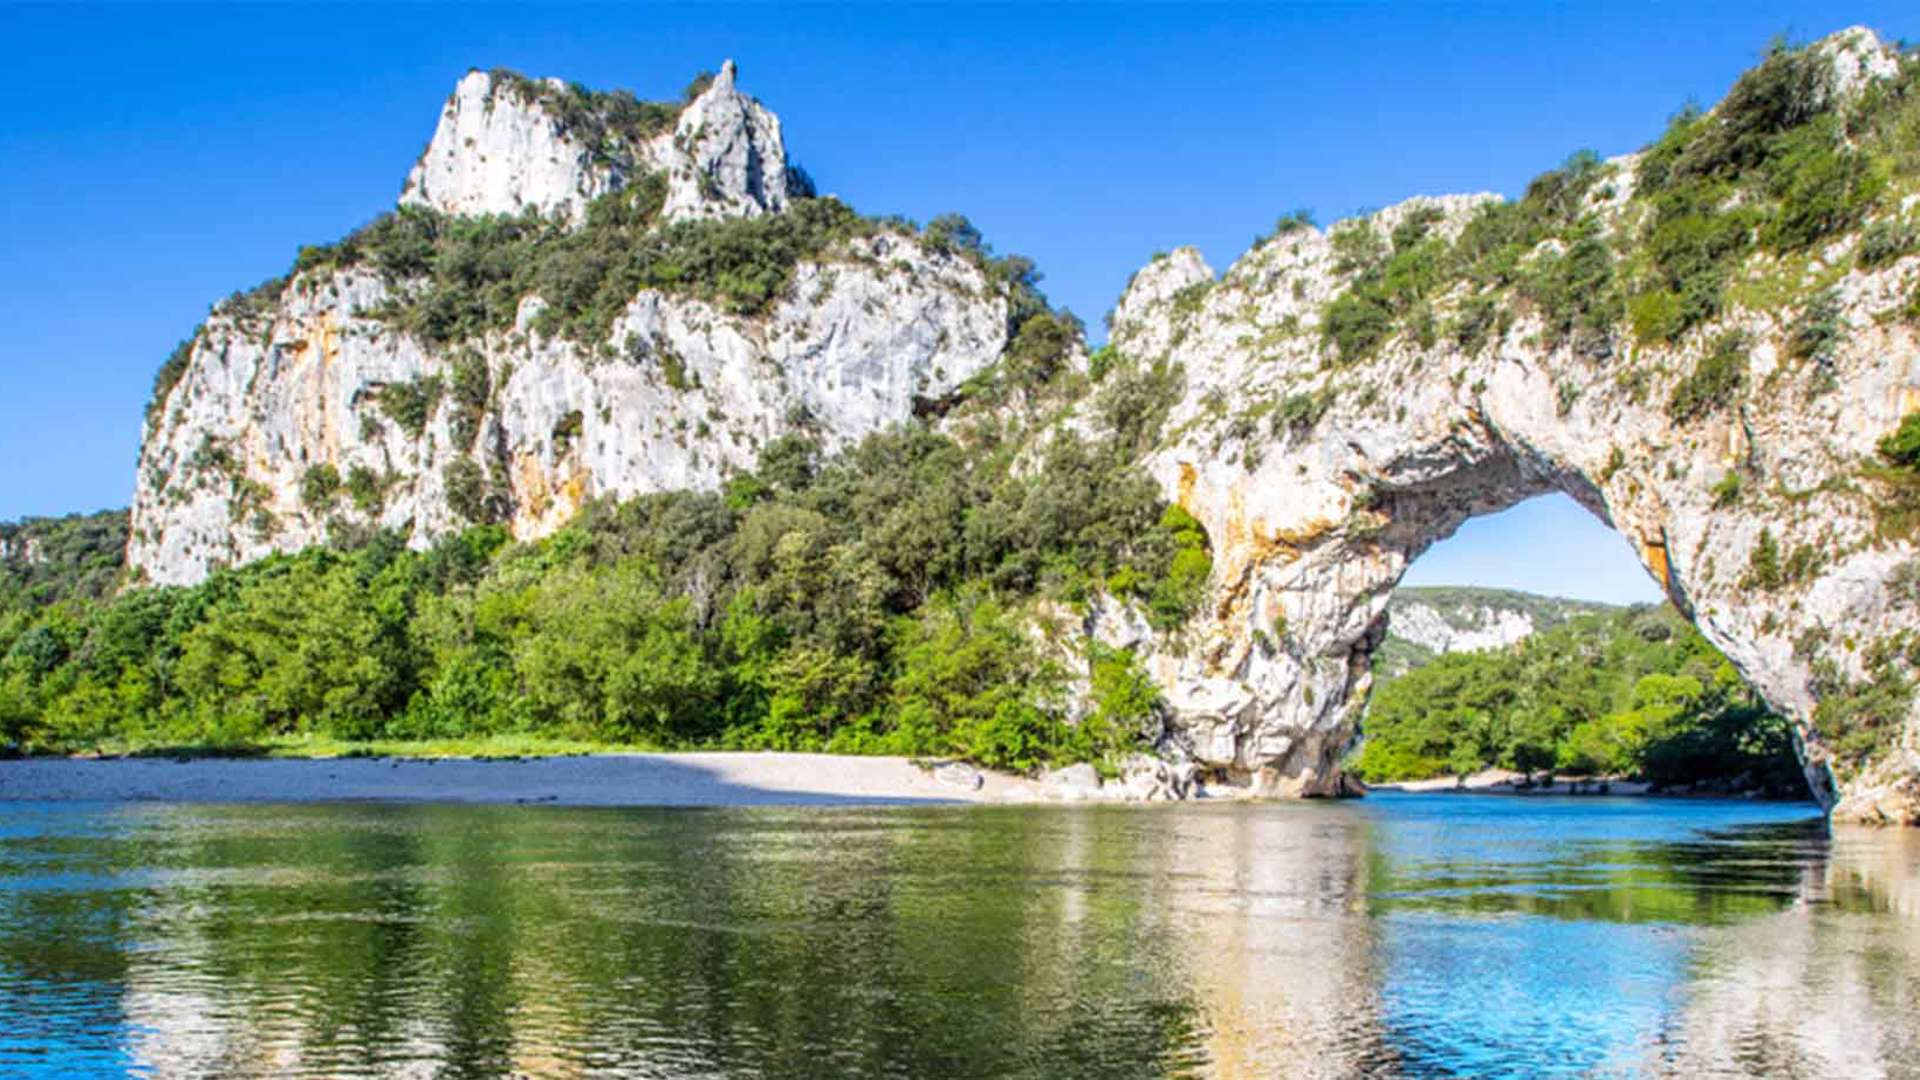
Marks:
<point>1355,394</point>
<point>1704,344</point>
<point>317,406</point>
<point>507,144</point>
<point>1426,622</point>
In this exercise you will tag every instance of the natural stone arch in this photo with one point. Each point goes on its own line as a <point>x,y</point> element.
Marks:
<point>1315,516</point>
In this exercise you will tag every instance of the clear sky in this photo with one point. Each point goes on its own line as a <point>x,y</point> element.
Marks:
<point>153,158</point>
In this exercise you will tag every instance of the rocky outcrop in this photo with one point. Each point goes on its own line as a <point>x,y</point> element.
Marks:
<point>1489,628</point>
<point>507,144</point>
<point>310,410</point>
<point>1322,468</point>
<point>1350,395</point>
<point>1446,620</point>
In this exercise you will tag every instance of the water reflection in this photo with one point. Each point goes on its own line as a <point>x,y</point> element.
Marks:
<point>1398,936</point>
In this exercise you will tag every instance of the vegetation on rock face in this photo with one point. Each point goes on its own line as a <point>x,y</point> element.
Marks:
<point>1463,609</point>
<point>170,374</point>
<point>1897,510</point>
<point>458,277</point>
<point>1635,692</point>
<point>1781,167</point>
<point>882,600</point>
<point>46,561</point>
<point>610,123</point>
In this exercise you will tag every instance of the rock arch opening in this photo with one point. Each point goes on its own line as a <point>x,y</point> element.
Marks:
<point>1532,645</point>
<point>1307,571</point>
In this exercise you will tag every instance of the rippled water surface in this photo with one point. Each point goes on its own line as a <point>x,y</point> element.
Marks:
<point>1397,936</point>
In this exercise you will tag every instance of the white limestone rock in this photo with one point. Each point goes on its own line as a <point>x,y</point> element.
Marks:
<point>1312,524</point>
<point>1484,628</point>
<point>1072,783</point>
<point>504,145</point>
<point>678,395</point>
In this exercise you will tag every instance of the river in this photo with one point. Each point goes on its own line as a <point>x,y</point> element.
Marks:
<point>1401,935</point>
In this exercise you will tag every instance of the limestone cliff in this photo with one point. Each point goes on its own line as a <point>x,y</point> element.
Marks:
<point>506,143</point>
<point>444,366</point>
<point>1666,337</point>
<point>1707,344</point>
<point>1425,622</point>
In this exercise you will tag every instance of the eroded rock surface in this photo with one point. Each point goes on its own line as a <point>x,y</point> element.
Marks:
<point>311,410</point>
<point>506,144</point>
<point>1320,476</point>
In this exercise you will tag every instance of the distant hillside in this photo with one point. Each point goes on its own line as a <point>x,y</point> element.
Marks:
<point>1426,622</point>
<point>47,560</point>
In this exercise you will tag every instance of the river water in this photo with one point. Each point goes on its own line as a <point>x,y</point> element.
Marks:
<point>1401,935</point>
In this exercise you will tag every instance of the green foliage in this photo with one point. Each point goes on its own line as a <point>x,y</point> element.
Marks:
<point>611,123</point>
<point>1818,330</point>
<point>1357,323</point>
<point>1902,448</point>
<point>1632,692</point>
<point>1726,490</point>
<point>170,374</point>
<point>1103,360</point>
<point>472,391</point>
<point>1693,245</point>
<point>319,487</point>
<point>473,271</point>
<point>1764,570</point>
<point>566,430</point>
<point>1575,290</point>
<point>1299,412</point>
<point>411,404</point>
<point>1133,403</point>
<point>1289,223</point>
<point>1885,243</point>
<point>971,685</point>
<point>1174,597</point>
<point>45,561</point>
<point>881,599</point>
<point>1039,350</point>
<point>1861,721</point>
<point>1356,247</point>
<point>366,489</point>
<point>466,488</point>
<point>1713,383</point>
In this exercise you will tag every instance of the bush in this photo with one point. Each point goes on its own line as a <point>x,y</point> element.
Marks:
<point>367,490</point>
<point>1821,188</point>
<point>1178,592</point>
<point>411,404</point>
<point>1715,379</point>
<point>1819,328</point>
<point>1902,448</point>
<point>1764,572</point>
<point>1357,323</point>
<point>170,374</point>
<point>1885,243</point>
<point>466,488</point>
<point>1299,412</point>
<point>1788,89</point>
<point>319,487</point>
<point>1726,491</point>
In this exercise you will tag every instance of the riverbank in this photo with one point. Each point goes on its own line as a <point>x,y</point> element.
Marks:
<point>1507,782</point>
<point>601,779</point>
<point>512,770</point>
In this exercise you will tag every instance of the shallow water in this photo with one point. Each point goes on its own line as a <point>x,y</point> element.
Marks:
<point>1399,935</point>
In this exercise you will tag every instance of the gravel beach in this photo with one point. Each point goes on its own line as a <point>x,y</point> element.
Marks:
<point>691,779</point>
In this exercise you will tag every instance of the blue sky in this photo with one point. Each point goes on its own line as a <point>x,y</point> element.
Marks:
<point>153,158</point>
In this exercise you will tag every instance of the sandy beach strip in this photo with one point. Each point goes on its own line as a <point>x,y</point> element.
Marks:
<point>689,779</point>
